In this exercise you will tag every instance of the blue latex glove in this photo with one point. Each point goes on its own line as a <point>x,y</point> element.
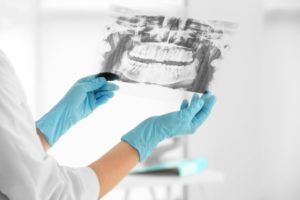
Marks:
<point>146,136</point>
<point>84,96</point>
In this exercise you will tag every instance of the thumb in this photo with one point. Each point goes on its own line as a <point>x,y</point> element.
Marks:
<point>93,84</point>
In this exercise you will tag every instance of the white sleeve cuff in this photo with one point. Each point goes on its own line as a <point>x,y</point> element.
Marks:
<point>90,183</point>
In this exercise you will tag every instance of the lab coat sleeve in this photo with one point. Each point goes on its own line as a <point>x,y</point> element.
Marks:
<point>27,172</point>
<point>25,175</point>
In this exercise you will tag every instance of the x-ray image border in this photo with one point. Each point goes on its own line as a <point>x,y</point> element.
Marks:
<point>168,51</point>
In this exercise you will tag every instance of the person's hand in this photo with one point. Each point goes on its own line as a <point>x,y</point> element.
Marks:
<point>146,136</point>
<point>80,101</point>
<point>86,95</point>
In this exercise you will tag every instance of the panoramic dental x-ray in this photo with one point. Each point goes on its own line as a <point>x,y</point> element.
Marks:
<point>168,51</point>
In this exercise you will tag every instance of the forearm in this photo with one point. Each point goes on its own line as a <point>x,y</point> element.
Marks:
<point>43,140</point>
<point>114,166</point>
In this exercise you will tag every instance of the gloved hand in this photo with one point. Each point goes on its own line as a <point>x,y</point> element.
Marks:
<point>84,96</point>
<point>146,136</point>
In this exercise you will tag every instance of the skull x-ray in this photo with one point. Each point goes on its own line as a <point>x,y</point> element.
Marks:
<point>168,51</point>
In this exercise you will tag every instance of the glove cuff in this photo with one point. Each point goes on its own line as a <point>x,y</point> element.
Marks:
<point>53,125</point>
<point>142,150</point>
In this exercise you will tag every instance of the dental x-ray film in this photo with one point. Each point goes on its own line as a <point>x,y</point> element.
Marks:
<point>174,52</point>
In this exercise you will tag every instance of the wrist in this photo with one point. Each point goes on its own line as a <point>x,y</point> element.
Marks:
<point>144,138</point>
<point>143,149</point>
<point>53,124</point>
<point>43,139</point>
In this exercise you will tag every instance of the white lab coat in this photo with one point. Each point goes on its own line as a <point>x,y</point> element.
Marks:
<point>26,171</point>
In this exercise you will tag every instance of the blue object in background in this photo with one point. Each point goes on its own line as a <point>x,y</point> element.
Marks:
<point>178,168</point>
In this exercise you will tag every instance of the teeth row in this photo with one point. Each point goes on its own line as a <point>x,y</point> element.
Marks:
<point>171,68</point>
<point>161,54</point>
<point>158,73</point>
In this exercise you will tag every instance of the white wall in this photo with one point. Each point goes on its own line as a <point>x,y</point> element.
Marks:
<point>231,137</point>
<point>17,41</point>
<point>281,110</point>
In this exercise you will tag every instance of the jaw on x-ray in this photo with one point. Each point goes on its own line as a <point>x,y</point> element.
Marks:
<point>167,51</point>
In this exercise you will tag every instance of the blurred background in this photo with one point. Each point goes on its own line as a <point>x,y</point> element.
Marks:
<point>252,137</point>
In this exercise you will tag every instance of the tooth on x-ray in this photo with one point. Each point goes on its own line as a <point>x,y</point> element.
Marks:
<point>168,51</point>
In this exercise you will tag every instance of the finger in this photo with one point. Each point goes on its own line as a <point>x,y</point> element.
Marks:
<point>93,84</point>
<point>108,87</point>
<point>104,93</point>
<point>184,104</point>
<point>195,105</point>
<point>206,95</point>
<point>209,103</point>
<point>205,111</point>
<point>102,100</point>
